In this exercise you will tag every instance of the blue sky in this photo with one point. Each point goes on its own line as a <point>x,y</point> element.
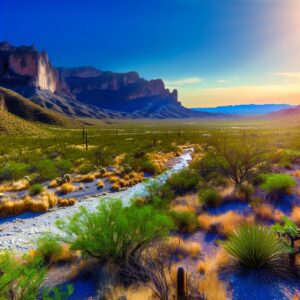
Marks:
<point>215,52</point>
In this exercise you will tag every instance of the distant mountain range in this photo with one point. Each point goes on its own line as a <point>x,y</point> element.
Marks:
<point>246,109</point>
<point>86,91</point>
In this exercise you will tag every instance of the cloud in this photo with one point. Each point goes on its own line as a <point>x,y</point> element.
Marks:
<point>288,74</point>
<point>183,81</point>
<point>222,81</point>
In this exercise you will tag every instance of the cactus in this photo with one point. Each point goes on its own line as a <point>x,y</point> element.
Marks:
<point>181,289</point>
<point>86,141</point>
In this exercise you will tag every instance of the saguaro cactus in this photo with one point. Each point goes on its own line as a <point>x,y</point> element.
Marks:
<point>181,289</point>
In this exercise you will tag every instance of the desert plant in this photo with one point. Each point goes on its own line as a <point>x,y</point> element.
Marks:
<point>184,221</point>
<point>36,189</point>
<point>20,278</point>
<point>183,181</point>
<point>256,246</point>
<point>277,185</point>
<point>13,171</point>
<point>246,191</point>
<point>47,246</point>
<point>113,232</point>
<point>209,197</point>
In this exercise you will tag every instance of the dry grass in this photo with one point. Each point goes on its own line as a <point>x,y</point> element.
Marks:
<point>212,288</point>
<point>295,216</point>
<point>115,187</point>
<point>67,188</point>
<point>84,178</point>
<point>66,202</point>
<point>114,178</point>
<point>41,203</point>
<point>215,263</point>
<point>267,212</point>
<point>183,208</point>
<point>100,184</point>
<point>16,186</point>
<point>53,184</point>
<point>180,247</point>
<point>140,292</point>
<point>224,224</point>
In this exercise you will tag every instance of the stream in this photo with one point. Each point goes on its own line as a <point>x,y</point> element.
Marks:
<point>20,232</point>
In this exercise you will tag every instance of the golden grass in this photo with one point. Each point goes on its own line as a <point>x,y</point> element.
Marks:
<point>66,202</point>
<point>115,187</point>
<point>84,178</point>
<point>16,186</point>
<point>181,247</point>
<point>100,184</point>
<point>295,216</point>
<point>140,292</point>
<point>224,224</point>
<point>215,263</point>
<point>267,212</point>
<point>41,203</point>
<point>183,208</point>
<point>53,184</point>
<point>212,288</point>
<point>67,188</point>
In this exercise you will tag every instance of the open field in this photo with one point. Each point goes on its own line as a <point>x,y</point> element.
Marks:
<point>243,179</point>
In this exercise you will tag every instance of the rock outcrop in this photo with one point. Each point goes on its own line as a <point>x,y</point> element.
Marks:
<point>26,66</point>
<point>86,91</point>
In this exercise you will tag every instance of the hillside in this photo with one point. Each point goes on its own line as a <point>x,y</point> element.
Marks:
<point>12,125</point>
<point>26,109</point>
<point>289,115</point>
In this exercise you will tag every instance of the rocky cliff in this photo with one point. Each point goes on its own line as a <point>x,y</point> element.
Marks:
<point>26,66</point>
<point>86,91</point>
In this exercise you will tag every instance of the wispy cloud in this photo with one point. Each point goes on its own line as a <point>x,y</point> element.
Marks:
<point>288,74</point>
<point>222,81</point>
<point>183,81</point>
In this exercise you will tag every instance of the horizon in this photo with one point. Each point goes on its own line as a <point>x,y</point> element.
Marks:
<point>215,54</point>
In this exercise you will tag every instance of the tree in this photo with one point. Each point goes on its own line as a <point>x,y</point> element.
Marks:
<point>113,232</point>
<point>240,159</point>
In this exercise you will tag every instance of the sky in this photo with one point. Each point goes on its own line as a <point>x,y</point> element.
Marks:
<point>215,52</point>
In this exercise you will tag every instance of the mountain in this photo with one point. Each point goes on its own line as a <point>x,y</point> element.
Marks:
<point>246,109</point>
<point>289,115</point>
<point>87,91</point>
<point>17,105</point>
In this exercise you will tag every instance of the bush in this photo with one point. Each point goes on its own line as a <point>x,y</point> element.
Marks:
<point>210,197</point>
<point>183,181</point>
<point>113,232</point>
<point>256,246</point>
<point>278,184</point>
<point>36,189</point>
<point>63,166</point>
<point>20,280</point>
<point>46,169</point>
<point>48,247</point>
<point>246,191</point>
<point>185,221</point>
<point>13,171</point>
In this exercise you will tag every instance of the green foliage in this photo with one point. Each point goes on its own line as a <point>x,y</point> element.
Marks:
<point>185,221</point>
<point>184,181</point>
<point>288,227</point>
<point>36,189</point>
<point>113,232</point>
<point>158,195</point>
<point>20,280</point>
<point>63,166</point>
<point>210,197</point>
<point>246,190</point>
<point>86,168</point>
<point>47,247</point>
<point>58,293</point>
<point>46,169</point>
<point>278,184</point>
<point>13,171</point>
<point>255,246</point>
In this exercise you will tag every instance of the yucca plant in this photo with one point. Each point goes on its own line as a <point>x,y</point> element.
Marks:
<point>255,246</point>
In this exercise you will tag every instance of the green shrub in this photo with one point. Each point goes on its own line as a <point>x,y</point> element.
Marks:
<point>113,232</point>
<point>20,280</point>
<point>210,197</point>
<point>278,184</point>
<point>255,246</point>
<point>36,189</point>
<point>47,247</point>
<point>86,168</point>
<point>184,221</point>
<point>247,191</point>
<point>183,181</point>
<point>63,166</point>
<point>13,171</point>
<point>46,169</point>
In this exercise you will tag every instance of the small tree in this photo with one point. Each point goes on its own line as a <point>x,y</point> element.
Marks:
<point>239,159</point>
<point>113,232</point>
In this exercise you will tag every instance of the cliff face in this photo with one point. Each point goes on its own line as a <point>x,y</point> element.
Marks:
<point>86,91</point>
<point>26,66</point>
